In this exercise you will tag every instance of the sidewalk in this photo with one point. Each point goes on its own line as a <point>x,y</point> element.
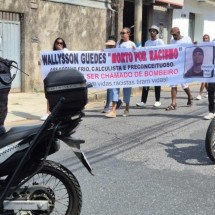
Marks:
<point>29,107</point>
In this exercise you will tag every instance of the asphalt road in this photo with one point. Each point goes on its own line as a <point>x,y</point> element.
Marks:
<point>150,163</point>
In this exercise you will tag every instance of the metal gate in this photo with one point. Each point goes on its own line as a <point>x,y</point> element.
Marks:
<point>10,37</point>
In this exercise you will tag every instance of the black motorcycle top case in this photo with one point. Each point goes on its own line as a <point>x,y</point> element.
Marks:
<point>67,83</point>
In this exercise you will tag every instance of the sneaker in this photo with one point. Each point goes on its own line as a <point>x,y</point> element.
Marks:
<point>126,113</point>
<point>106,110</point>
<point>119,104</point>
<point>43,118</point>
<point>209,116</point>
<point>206,95</point>
<point>199,97</point>
<point>157,104</point>
<point>141,104</point>
<point>111,115</point>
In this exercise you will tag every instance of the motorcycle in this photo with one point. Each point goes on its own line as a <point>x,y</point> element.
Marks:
<point>29,183</point>
<point>210,141</point>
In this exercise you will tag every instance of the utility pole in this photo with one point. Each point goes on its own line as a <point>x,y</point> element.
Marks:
<point>138,21</point>
<point>119,16</point>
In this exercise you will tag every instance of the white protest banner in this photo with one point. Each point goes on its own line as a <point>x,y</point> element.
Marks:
<point>150,66</point>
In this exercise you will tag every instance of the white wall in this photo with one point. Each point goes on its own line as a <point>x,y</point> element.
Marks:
<point>204,18</point>
<point>180,21</point>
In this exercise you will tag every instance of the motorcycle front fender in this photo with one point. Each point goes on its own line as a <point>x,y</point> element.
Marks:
<point>75,143</point>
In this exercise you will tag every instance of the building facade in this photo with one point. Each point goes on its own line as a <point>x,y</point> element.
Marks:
<point>29,26</point>
<point>196,18</point>
<point>141,14</point>
<point>193,17</point>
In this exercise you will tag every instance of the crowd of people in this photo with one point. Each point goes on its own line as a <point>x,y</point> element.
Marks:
<point>194,71</point>
<point>113,95</point>
<point>125,42</point>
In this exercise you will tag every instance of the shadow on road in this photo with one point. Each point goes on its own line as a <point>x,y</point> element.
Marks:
<point>189,152</point>
<point>25,115</point>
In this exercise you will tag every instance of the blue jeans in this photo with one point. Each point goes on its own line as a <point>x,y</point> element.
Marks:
<point>126,94</point>
<point>108,98</point>
<point>115,94</point>
<point>112,95</point>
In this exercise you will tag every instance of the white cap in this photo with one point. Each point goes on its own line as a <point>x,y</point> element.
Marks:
<point>154,27</point>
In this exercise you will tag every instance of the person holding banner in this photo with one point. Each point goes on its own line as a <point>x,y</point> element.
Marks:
<point>179,39</point>
<point>125,42</point>
<point>211,104</point>
<point>59,44</point>
<point>153,41</point>
<point>211,90</point>
<point>112,94</point>
<point>205,38</point>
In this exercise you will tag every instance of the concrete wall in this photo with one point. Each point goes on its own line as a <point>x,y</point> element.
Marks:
<point>204,18</point>
<point>83,28</point>
<point>163,19</point>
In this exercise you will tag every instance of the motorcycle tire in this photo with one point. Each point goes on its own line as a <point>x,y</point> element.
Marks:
<point>210,141</point>
<point>63,185</point>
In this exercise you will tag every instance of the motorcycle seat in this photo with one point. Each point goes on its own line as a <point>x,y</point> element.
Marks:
<point>17,133</point>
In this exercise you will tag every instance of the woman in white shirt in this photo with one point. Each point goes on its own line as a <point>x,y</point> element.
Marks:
<point>125,42</point>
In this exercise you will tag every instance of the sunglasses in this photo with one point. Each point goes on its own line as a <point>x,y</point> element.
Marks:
<point>153,31</point>
<point>122,33</point>
<point>59,43</point>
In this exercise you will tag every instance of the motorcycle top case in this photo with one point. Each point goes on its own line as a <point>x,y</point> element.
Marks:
<point>67,83</point>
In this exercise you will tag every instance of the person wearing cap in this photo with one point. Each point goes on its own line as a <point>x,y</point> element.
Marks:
<point>111,43</point>
<point>196,69</point>
<point>177,38</point>
<point>112,94</point>
<point>153,41</point>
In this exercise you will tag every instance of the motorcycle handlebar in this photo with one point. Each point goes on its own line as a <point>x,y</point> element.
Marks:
<point>10,63</point>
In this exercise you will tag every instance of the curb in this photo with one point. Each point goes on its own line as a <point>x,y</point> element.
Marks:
<point>100,95</point>
<point>24,107</point>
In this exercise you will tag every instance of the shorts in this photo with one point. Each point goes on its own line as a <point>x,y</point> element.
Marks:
<point>126,94</point>
<point>184,86</point>
<point>115,94</point>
